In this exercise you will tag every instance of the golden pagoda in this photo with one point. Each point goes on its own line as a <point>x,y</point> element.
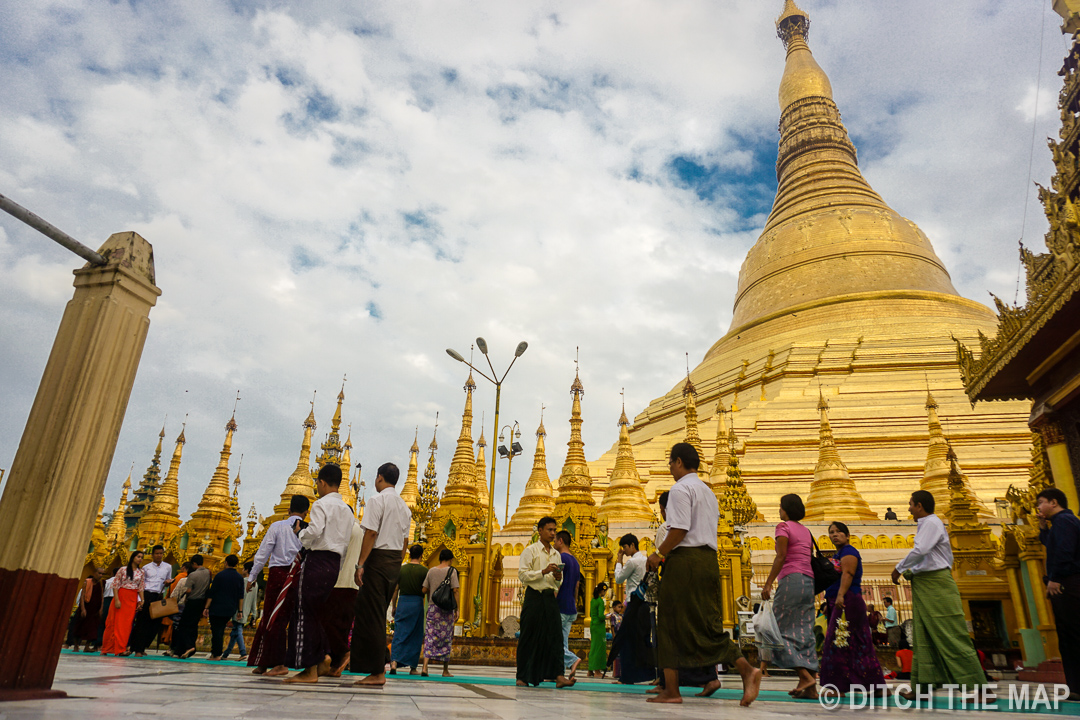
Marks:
<point>160,525</point>
<point>832,494</point>
<point>234,503</point>
<point>839,291</point>
<point>575,508</point>
<point>734,500</point>
<point>144,495</point>
<point>459,514</point>
<point>410,491</point>
<point>212,530</point>
<point>299,483</point>
<point>538,499</point>
<point>117,530</point>
<point>624,499</point>
<point>331,449</point>
<point>935,479</point>
<point>427,499</point>
<point>347,488</point>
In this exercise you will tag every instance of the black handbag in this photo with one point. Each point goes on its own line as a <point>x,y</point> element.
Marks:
<point>825,573</point>
<point>443,597</point>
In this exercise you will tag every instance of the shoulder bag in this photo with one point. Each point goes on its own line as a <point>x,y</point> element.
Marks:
<point>825,573</point>
<point>443,596</point>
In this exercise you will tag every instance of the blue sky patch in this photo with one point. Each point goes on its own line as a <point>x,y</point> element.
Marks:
<point>373,310</point>
<point>303,259</point>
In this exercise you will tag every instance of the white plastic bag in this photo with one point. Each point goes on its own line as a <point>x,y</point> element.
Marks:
<point>766,632</point>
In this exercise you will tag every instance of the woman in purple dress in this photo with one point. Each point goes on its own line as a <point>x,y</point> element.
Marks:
<point>849,657</point>
<point>439,629</point>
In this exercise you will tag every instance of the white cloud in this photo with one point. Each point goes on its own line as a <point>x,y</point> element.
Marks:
<point>342,188</point>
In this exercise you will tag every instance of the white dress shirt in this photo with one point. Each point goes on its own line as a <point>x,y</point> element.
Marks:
<point>388,515</point>
<point>632,571</point>
<point>279,547</point>
<point>347,575</point>
<point>692,507</point>
<point>331,525</point>
<point>157,576</point>
<point>932,550</point>
<point>108,591</point>
<point>531,565</point>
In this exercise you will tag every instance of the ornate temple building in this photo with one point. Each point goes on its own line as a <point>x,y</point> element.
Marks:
<point>843,299</point>
<point>144,495</point>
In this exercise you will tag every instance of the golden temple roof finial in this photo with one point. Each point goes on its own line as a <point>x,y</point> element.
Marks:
<point>540,431</point>
<point>577,389</point>
<point>310,421</point>
<point>792,20</point>
<point>434,445</point>
<point>623,421</point>
<point>415,442</point>
<point>232,421</point>
<point>180,439</point>
<point>538,498</point>
<point>410,492</point>
<point>624,498</point>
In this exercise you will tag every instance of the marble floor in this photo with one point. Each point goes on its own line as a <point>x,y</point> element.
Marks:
<point>100,687</point>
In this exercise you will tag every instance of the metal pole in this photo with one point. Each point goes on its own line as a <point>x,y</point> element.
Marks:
<point>485,576</point>
<point>51,231</point>
<point>509,467</point>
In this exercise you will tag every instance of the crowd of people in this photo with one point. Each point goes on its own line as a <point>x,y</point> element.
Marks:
<point>330,583</point>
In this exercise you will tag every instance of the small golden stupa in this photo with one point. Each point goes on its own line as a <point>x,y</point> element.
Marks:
<point>538,499</point>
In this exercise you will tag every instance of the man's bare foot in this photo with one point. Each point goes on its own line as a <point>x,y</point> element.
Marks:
<point>372,681</point>
<point>323,668</point>
<point>561,682</point>
<point>709,689</point>
<point>751,686</point>
<point>522,683</point>
<point>259,671</point>
<point>446,673</point>
<point>666,697</point>
<point>654,690</point>
<point>336,670</point>
<point>573,668</point>
<point>277,671</point>
<point>305,676</point>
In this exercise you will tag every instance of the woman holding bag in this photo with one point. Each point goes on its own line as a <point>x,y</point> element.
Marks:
<point>439,630</point>
<point>793,605</point>
<point>128,585</point>
<point>849,657</point>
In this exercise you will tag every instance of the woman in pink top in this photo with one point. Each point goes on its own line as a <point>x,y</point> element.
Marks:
<point>793,605</point>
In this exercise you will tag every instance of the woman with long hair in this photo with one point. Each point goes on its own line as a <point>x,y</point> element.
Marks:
<point>849,657</point>
<point>439,630</point>
<point>128,585</point>
<point>598,632</point>
<point>793,605</point>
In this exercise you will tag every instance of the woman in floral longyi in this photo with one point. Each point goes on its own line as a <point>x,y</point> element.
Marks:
<point>849,657</point>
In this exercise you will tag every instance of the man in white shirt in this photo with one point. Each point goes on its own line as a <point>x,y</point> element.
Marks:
<point>632,643</point>
<point>158,575</point>
<point>277,552</point>
<point>689,629</point>
<point>386,540</point>
<point>325,540</point>
<point>540,648</point>
<point>944,652</point>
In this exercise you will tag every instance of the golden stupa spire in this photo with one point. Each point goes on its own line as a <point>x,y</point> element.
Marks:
<point>162,521</point>
<point>428,498</point>
<point>575,483</point>
<point>234,504</point>
<point>833,492</point>
<point>249,540</point>
<point>825,212</point>
<point>717,479</point>
<point>693,435</point>
<point>538,499</point>
<point>481,471</point>
<point>346,489</point>
<point>214,517</point>
<point>410,491</point>
<point>299,483</point>
<point>99,538</point>
<point>624,499</point>
<point>460,498</point>
<point>216,497</point>
<point>935,479</point>
<point>144,495</point>
<point>735,497</point>
<point>117,531</point>
<point>331,449</point>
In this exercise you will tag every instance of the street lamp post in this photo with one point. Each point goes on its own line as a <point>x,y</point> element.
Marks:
<point>509,454</point>
<point>518,352</point>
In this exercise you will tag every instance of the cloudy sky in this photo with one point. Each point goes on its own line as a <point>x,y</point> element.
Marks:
<point>339,188</point>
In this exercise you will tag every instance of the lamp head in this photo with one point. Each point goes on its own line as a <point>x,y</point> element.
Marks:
<point>502,451</point>
<point>481,343</point>
<point>455,354</point>
<point>516,447</point>
<point>521,348</point>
